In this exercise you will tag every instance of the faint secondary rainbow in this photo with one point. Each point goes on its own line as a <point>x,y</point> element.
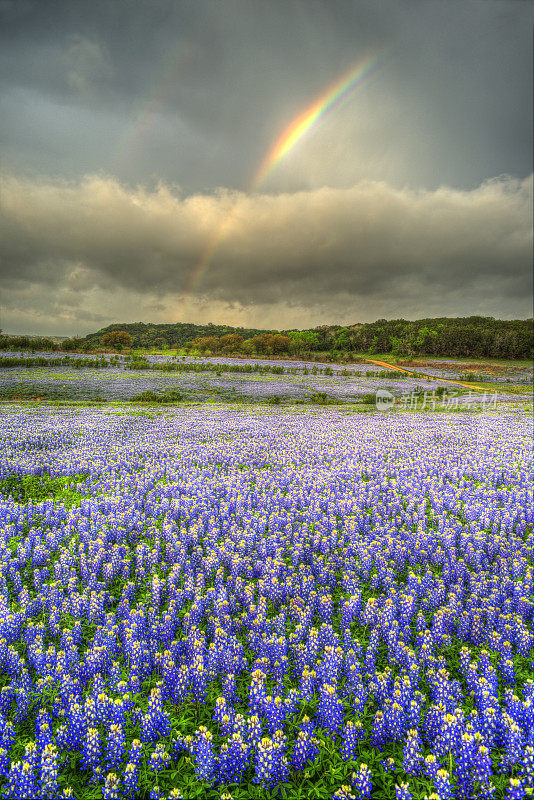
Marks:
<point>329,99</point>
<point>142,125</point>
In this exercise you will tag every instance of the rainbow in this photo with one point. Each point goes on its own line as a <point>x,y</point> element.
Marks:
<point>203,263</point>
<point>314,113</point>
<point>329,99</point>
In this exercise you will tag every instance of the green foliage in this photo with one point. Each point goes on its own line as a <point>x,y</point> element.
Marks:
<point>320,399</point>
<point>176,335</point>
<point>72,344</point>
<point>24,393</point>
<point>26,343</point>
<point>264,344</point>
<point>68,361</point>
<point>461,337</point>
<point>304,341</point>
<point>117,339</point>
<point>40,487</point>
<point>168,396</point>
<point>367,398</point>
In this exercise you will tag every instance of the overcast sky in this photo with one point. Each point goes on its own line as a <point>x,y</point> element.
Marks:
<point>132,132</point>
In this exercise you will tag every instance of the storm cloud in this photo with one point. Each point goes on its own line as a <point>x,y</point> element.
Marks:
<point>132,132</point>
<point>351,246</point>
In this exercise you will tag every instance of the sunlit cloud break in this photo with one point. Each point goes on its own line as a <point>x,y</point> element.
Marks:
<point>461,251</point>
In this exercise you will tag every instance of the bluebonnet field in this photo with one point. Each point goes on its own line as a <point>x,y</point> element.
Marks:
<point>459,371</point>
<point>298,381</point>
<point>215,602</point>
<point>114,384</point>
<point>440,368</point>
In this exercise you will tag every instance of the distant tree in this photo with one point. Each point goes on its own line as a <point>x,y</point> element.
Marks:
<point>262,344</point>
<point>194,344</point>
<point>199,343</point>
<point>342,340</point>
<point>42,343</point>
<point>230,342</point>
<point>304,341</point>
<point>205,343</point>
<point>380,341</point>
<point>117,340</point>
<point>279,343</point>
<point>213,344</point>
<point>71,344</point>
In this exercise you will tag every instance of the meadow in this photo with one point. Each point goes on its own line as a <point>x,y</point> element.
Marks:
<point>50,376</point>
<point>246,601</point>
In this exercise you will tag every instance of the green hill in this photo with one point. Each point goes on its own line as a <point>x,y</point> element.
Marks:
<point>178,334</point>
<point>458,337</point>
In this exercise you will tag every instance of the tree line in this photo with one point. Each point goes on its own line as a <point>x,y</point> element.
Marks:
<point>460,337</point>
<point>457,337</point>
<point>148,335</point>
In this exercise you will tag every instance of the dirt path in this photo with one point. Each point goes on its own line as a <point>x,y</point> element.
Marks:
<point>430,377</point>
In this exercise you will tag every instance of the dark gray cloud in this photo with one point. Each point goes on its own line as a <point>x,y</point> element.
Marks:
<point>322,249</point>
<point>190,95</point>
<point>195,92</point>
